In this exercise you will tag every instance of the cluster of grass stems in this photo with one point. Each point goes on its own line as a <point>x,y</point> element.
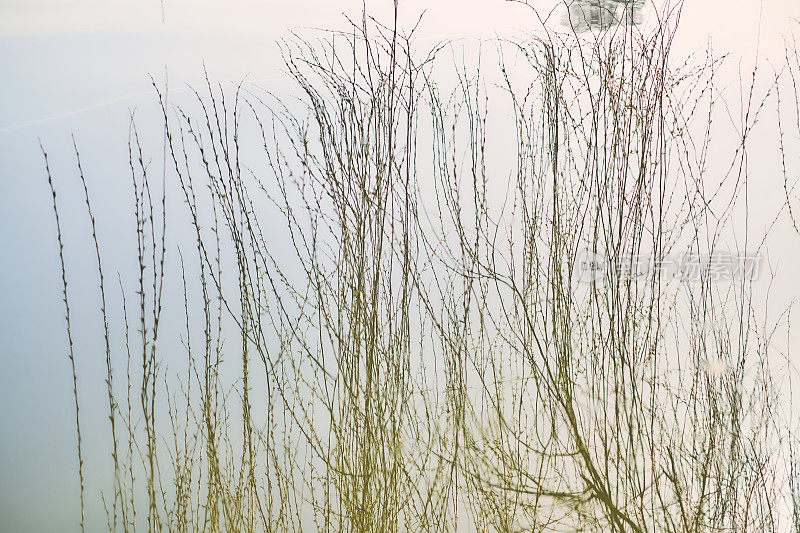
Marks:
<point>383,333</point>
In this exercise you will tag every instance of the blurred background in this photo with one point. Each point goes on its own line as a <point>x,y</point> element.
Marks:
<point>83,67</point>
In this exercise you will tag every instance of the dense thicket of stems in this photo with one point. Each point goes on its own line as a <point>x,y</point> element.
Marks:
<point>384,333</point>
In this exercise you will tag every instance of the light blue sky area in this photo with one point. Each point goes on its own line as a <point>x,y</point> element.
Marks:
<point>82,67</point>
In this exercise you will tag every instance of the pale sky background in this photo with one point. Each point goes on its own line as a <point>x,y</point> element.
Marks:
<point>80,66</point>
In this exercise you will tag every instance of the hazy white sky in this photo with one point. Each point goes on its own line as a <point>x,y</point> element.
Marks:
<point>82,65</point>
<point>99,52</point>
